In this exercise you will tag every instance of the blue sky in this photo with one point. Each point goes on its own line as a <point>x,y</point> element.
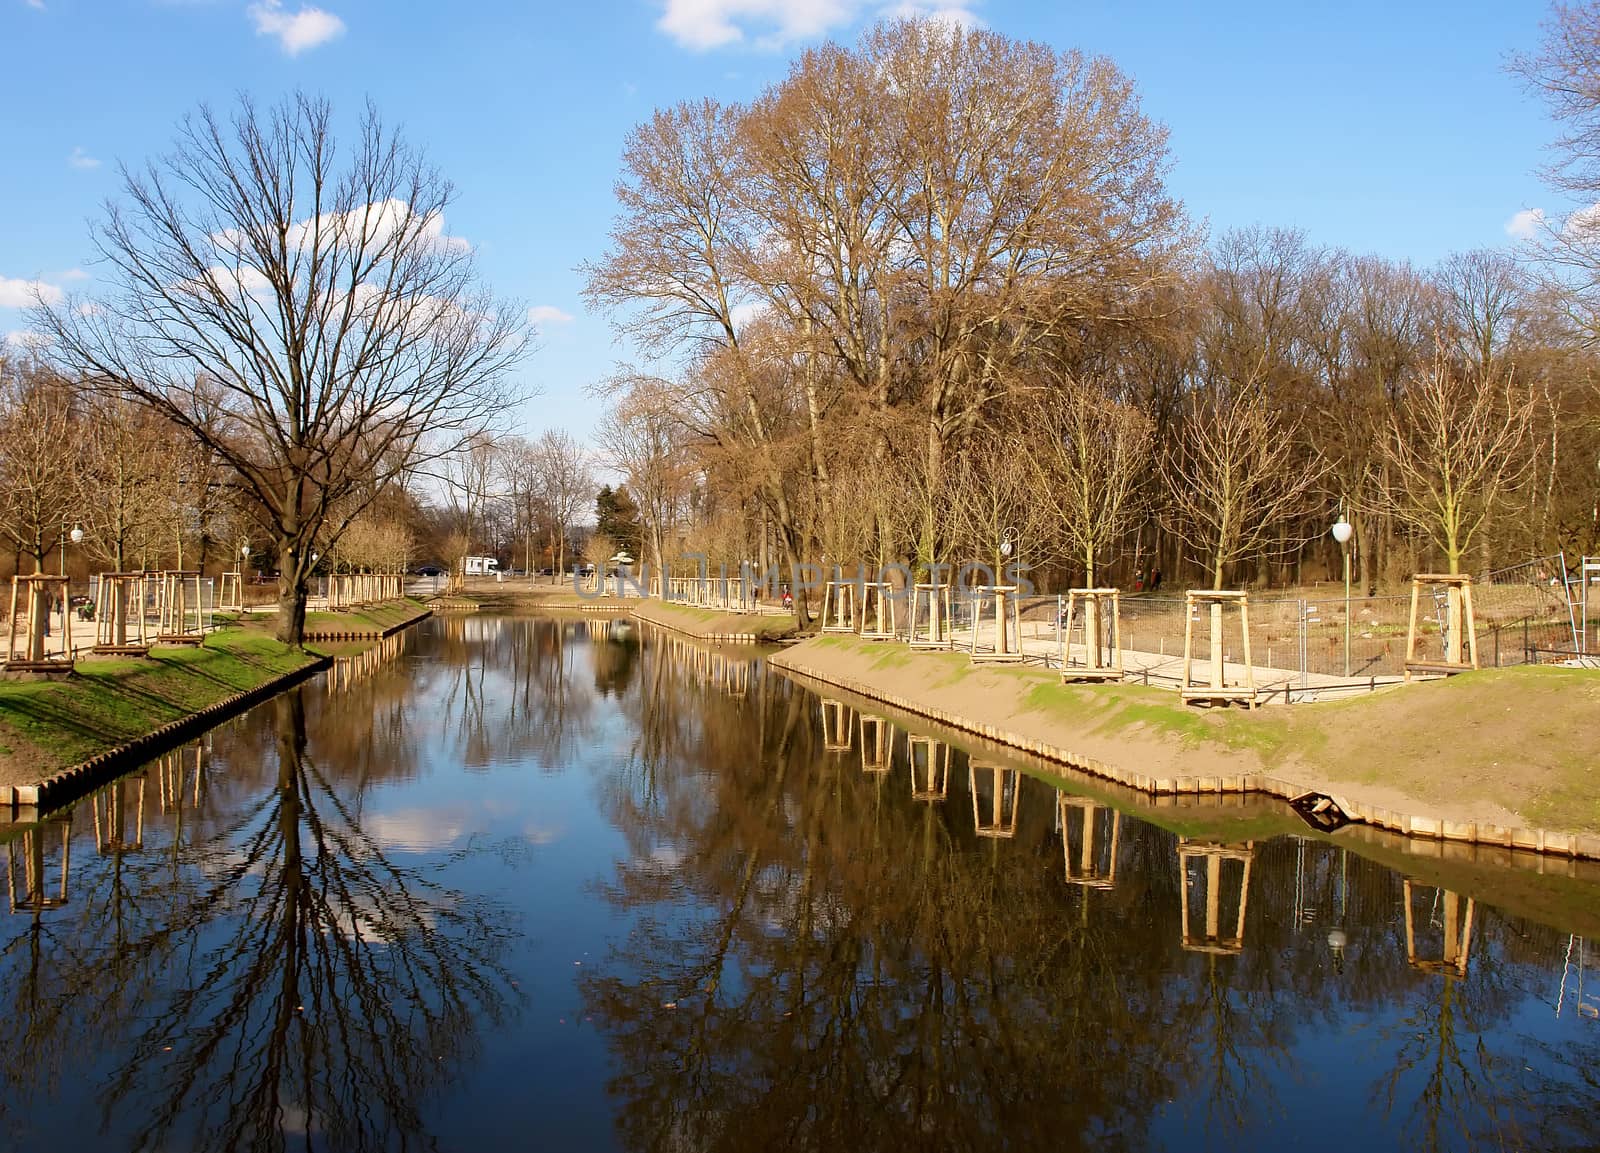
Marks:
<point>1384,128</point>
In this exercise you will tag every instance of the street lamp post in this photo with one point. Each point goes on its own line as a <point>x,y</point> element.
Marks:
<point>1342,531</point>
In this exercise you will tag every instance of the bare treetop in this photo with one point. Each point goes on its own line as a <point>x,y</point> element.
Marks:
<point>298,307</point>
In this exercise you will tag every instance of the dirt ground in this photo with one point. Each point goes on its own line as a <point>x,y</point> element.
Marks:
<point>1513,747</point>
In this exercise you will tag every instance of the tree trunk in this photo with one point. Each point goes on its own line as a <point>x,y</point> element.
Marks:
<point>292,594</point>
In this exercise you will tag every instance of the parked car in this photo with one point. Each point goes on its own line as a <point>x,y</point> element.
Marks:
<point>428,570</point>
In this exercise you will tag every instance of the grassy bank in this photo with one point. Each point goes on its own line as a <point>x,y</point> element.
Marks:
<point>709,624</point>
<point>372,621</point>
<point>50,725</point>
<point>1508,747</point>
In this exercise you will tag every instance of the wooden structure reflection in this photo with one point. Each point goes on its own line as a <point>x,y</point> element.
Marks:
<point>877,743</point>
<point>837,718</point>
<point>1452,914</point>
<point>996,796</point>
<point>113,806</point>
<point>26,860</point>
<point>930,768</point>
<point>1099,827</point>
<point>1203,861</point>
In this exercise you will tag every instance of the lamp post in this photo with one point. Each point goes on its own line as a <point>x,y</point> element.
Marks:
<point>1342,531</point>
<point>75,535</point>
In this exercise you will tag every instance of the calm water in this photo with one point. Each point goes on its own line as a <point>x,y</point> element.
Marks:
<point>515,884</point>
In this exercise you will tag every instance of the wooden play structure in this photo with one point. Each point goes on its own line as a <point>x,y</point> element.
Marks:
<point>878,611</point>
<point>929,626</point>
<point>996,791</point>
<point>1201,862</point>
<point>180,609</point>
<point>877,744</point>
<point>1000,606</point>
<point>836,718</point>
<point>1098,655</point>
<point>1216,688</point>
<point>34,598</point>
<point>115,807</point>
<point>1458,626</point>
<point>1452,914</point>
<point>930,768</point>
<point>119,617</point>
<point>35,896</point>
<point>1094,865</point>
<point>839,605</point>
<point>230,593</point>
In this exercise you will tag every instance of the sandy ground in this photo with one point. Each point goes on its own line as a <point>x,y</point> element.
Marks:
<point>1511,747</point>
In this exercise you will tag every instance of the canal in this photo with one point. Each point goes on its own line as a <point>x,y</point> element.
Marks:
<point>520,883</point>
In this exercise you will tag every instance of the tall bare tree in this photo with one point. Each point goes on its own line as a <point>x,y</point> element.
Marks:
<point>1457,446</point>
<point>1237,478</point>
<point>566,484</point>
<point>1091,457</point>
<point>39,422</point>
<point>300,310</point>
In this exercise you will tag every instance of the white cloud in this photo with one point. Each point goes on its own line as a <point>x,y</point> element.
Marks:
<point>773,24</point>
<point>23,339</point>
<point>81,159</point>
<point>957,15</point>
<point>706,24</point>
<point>1583,224</point>
<point>16,293</point>
<point>1525,224</point>
<point>39,4</point>
<point>74,274</point>
<point>548,314</point>
<point>296,31</point>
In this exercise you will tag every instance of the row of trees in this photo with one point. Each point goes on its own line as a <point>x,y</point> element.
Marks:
<point>935,287</point>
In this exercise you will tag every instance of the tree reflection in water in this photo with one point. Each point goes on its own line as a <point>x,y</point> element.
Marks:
<point>802,942</point>
<point>290,982</point>
<point>823,959</point>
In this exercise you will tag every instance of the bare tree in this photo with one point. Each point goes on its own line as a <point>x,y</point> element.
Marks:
<point>566,485</point>
<point>1237,477</point>
<point>1091,456</point>
<point>308,320</point>
<point>39,424</point>
<point>129,454</point>
<point>1457,446</point>
<point>639,438</point>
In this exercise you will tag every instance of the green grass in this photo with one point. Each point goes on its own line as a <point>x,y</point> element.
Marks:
<point>374,619</point>
<point>51,724</point>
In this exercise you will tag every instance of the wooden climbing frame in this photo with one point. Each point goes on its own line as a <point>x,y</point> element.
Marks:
<point>999,604</point>
<point>1216,688</point>
<point>929,626</point>
<point>1099,657</point>
<point>33,598</point>
<point>1460,626</point>
<point>119,614</point>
